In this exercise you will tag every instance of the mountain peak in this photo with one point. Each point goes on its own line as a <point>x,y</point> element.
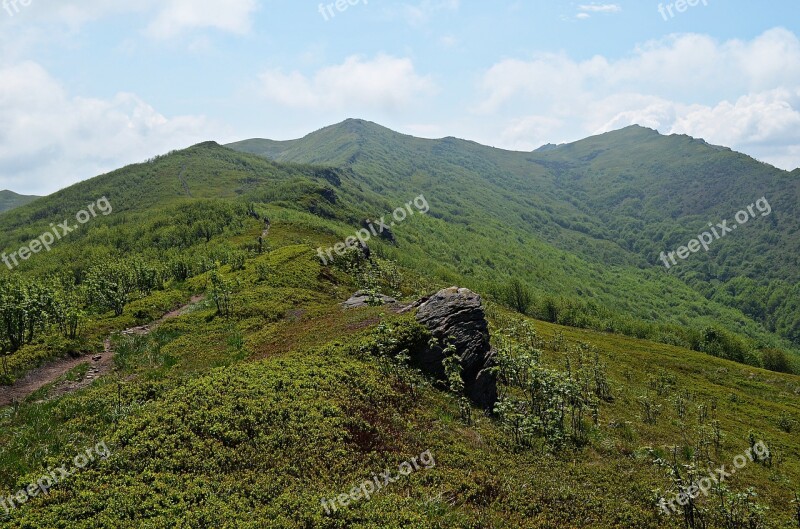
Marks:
<point>547,147</point>
<point>356,126</point>
<point>635,129</point>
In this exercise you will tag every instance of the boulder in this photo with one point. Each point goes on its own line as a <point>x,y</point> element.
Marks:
<point>363,299</point>
<point>458,313</point>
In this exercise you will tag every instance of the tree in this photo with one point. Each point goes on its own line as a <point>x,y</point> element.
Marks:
<point>776,360</point>
<point>24,309</point>
<point>518,296</point>
<point>221,291</point>
<point>111,285</point>
<point>67,310</point>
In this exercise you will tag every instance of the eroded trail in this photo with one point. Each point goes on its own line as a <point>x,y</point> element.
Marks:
<point>99,365</point>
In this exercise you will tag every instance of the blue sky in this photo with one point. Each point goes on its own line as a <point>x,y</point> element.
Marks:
<point>87,87</point>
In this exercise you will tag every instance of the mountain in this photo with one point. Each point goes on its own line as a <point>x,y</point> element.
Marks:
<point>615,200</point>
<point>582,226</point>
<point>11,200</point>
<point>186,355</point>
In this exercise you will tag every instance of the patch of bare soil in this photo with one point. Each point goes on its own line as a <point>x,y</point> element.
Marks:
<point>99,365</point>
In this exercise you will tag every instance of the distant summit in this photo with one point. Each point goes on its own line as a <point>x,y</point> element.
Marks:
<point>10,200</point>
<point>547,147</point>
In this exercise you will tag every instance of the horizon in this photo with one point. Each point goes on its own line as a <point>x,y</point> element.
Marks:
<point>92,87</point>
<point>523,264</point>
<point>228,144</point>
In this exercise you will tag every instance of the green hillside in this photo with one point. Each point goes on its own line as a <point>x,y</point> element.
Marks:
<point>261,397</point>
<point>588,221</point>
<point>11,200</point>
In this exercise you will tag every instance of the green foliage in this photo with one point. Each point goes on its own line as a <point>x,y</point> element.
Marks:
<point>538,402</point>
<point>68,310</point>
<point>518,297</point>
<point>786,422</point>
<point>452,365</point>
<point>729,510</point>
<point>719,343</point>
<point>776,360</point>
<point>221,291</point>
<point>263,271</point>
<point>111,286</point>
<point>248,420</point>
<point>23,312</point>
<point>582,226</point>
<point>10,200</point>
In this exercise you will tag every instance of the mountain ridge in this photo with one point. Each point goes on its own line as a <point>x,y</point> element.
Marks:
<point>364,129</point>
<point>10,200</point>
<point>541,209</point>
<point>632,189</point>
<point>606,363</point>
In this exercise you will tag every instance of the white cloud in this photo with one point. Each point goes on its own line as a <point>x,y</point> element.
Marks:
<point>385,83</point>
<point>766,118</point>
<point>523,133</point>
<point>177,16</point>
<point>586,10</point>
<point>600,8</point>
<point>743,94</point>
<point>50,139</point>
<point>425,130</point>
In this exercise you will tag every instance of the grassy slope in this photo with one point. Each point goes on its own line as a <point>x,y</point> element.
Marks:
<point>586,221</point>
<point>293,412</point>
<point>457,242</point>
<point>250,421</point>
<point>635,180</point>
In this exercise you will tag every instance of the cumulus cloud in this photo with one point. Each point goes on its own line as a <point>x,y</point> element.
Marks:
<point>743,94</point>
<point>385,83</point>
<point>769,118</point>
<point>51,139</point>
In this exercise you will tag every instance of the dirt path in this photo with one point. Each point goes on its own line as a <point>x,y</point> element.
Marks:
<point>183,181</point>
<point>99,365</point>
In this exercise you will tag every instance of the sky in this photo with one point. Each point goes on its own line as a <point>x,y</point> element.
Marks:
<point>90,86</point>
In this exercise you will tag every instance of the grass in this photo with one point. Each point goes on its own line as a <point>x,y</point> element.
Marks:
<point>252,420</point>
<point>249,417</point>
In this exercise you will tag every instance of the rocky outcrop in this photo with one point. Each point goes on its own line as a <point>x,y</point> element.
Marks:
<point>364,299</point>
<point>457,315</point>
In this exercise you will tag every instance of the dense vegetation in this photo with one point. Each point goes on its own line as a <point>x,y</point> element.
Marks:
<point>582,227</point>
<point>11,200</point>
<point>266,397</point>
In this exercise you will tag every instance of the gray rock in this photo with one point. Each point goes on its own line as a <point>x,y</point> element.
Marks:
<point>362,299</point>
<point>458,313</point>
